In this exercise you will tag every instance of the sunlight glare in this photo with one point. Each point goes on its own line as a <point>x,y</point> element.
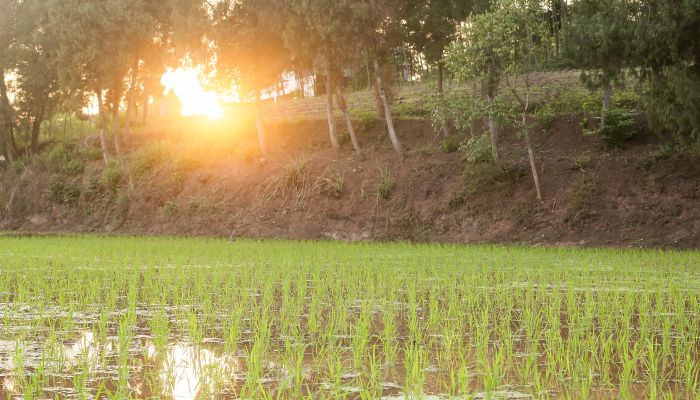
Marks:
<point>188,88</point>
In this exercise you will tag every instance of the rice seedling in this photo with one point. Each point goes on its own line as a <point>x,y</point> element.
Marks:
<point>94,317</point>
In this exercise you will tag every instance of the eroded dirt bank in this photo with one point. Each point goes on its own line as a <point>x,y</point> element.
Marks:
<point>183,183</point>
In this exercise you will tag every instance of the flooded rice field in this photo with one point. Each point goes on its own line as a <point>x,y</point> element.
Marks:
<point>92,317</point>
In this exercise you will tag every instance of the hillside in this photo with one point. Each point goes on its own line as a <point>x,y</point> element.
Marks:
<point>189,176</point>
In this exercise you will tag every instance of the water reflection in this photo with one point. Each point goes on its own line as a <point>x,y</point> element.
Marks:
<point>188,371</point>
<point>83,350</point>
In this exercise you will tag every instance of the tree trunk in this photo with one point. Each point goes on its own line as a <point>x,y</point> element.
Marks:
<point>495,131</point>
<point>36,130</point>
<point>351,129</point>
<point>329,113</point>
<point>115,130</point>
<point>607,101</point>
<point>259,125</point>
<point>387,113</point>
<point>131,104</point>
<point>131,96</point>
<point>300,81</point>
<point>528,144</point>
<point>440,88</point>
<point>102,127</point>
<point>6,128</point>
<point>3,148</point>
<point>144,122</point>
<point>533,166</point>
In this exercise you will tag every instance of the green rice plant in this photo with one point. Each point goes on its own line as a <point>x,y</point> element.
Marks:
<point>298,319</point>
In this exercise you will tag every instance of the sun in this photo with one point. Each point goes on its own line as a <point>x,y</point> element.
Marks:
<point>188,88</point>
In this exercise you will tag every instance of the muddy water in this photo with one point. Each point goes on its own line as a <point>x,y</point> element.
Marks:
<point>80,364</point>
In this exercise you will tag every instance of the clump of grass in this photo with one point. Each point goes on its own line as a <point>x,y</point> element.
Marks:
<point>481,176</point>
<point>582,197</point>
<point>386,184</point>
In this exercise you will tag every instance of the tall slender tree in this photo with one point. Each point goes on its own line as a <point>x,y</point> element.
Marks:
<point>599,39</point>
<point>316,30</point>
<point>380,34</point>
<point>250,49</point>
<point>8,21</point>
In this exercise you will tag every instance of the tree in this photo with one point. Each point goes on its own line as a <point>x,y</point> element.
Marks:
<point>599,40</point>
<point>431,26</point>
<point>528,53</point>
<point>35,62</point>
<point>316,30</point>
<point>503,45</point>
<point>8,17</point>
<point>92,50</point>
<point>250,49</point>
<point>668,45</point>
<point>483,52</point>
<point>380,32</point>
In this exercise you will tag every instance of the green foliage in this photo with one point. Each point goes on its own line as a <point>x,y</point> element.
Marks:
<point>462,110</point>
<point>363,121</point>
<point>111,177</point>
<point>149,157</point>
<point>407,110</point>
<point>450,145</point>
<point>477,149</point>
<point>19,164</point>
<point>545,116</point>
<point>495,43</point>
<point>672,102</point>
<point>619,127</point>
<point>599,39</point>
<point>628,99</point>
<point>62,191</point>
<point>576,100</point>
<point>64,158</point>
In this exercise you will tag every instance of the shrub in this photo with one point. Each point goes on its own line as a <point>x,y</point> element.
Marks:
<point>363,121</point>
<point>19,164</point>
<point>410,110</point>
<point>477,149</point>
<point>576,101</point>
<point>627,99</point>
<point>64,158</point>
<point>149,157</point>
<point>619,127</point>
<point>92,187</point>
<point>60,191</point>
<point>111,176</point>
<point>171,209</point>
<point>545,117</point>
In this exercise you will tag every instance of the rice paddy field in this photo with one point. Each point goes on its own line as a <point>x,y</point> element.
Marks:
<point>95,317</point>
